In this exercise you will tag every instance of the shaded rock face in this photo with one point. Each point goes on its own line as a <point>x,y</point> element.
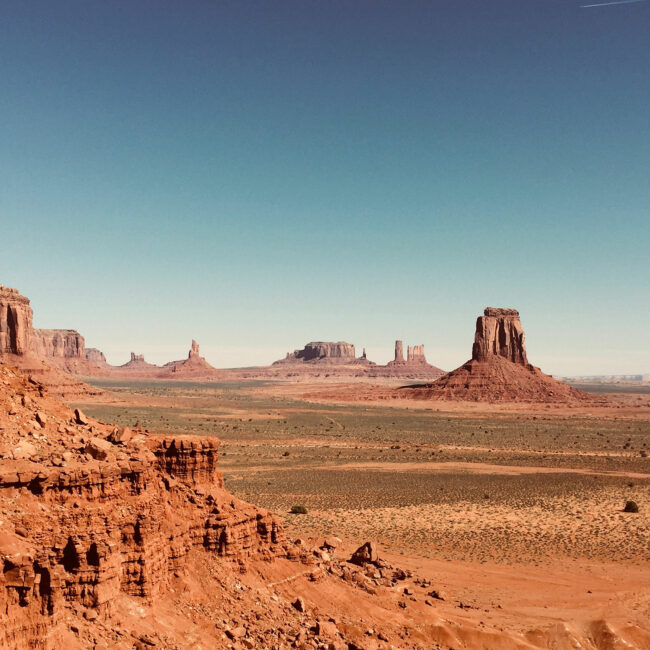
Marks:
<point>16,328</point>
<point>95,356</point>
<point>59,344</point>
<point>399,352</point>
<point>499,333</point>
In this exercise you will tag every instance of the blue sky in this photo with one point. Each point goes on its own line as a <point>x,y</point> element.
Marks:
<point>260,174</point>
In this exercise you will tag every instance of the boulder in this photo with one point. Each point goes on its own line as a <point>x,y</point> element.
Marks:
<point>120,435</point>
<point>98,448</point>
<point>365,554</point>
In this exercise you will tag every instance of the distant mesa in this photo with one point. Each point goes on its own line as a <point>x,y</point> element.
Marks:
<point>324,352</point>
<point>96,356</point>
<point>498,370</point>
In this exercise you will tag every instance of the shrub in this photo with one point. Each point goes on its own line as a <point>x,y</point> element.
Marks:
<point>298,510</point>
<point>631,506</point>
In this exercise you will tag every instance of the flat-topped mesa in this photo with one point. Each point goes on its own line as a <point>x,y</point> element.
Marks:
<point>136,357</point>
<point>499,333</point>
<point>16,328</point>
<point>58,344</point>
<point>323,351</point>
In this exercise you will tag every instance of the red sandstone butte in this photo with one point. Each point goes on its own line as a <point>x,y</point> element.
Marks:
<point>498,370</point>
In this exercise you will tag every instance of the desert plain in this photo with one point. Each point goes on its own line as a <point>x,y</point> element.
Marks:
<point>515,512</point>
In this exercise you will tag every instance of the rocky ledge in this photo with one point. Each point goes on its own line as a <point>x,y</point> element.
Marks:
<point>89,511</point>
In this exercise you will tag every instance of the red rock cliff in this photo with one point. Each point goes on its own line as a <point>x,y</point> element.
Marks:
<point>60,344</point>
<point>15,322</point>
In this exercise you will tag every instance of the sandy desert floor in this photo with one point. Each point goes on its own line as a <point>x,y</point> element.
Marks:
<point>516,511</point>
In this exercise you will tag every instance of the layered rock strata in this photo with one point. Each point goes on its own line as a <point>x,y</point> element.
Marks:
<point>83,520</point>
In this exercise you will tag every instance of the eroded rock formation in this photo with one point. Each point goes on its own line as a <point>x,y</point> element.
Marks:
<point>95,356</point>
<point>15,322</point>
<point>499,332</point>
<point>194,351</point>
<point>415,364</point>
<point>97,519</point>
<point>399,352</point>
<point>498,370</point>
<point>415,354</point>
<point>321,350</point>
<point>194,366</point>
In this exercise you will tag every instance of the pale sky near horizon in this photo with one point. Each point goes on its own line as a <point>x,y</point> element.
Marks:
<point>258,175</point>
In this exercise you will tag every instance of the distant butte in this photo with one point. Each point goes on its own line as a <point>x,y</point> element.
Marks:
<point>137,362</point>
<point>194,366</point>
<point>415,365</point>
<point>498,370</point>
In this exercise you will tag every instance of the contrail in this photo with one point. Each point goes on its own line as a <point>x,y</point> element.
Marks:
<point>607,4</point>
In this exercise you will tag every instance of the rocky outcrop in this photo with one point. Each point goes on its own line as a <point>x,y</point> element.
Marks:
<point>499,333</point>
<point>415,354</point>
<point>96,357</point>
<point>15,322</point>
<point>59,344</point>
<point>99,519</point>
